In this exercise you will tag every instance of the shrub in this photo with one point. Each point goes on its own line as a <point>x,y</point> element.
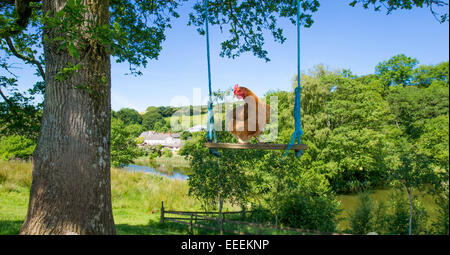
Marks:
<point>309,212</point>
<point>15,146</point>
<point>167,153</point>
<point>152,155</point>
<point>440,225</point>
<point>260,214</point>
<point>186,135</point>
<point>362,219</point>
<point>309,203</point>
<point>397,215</point>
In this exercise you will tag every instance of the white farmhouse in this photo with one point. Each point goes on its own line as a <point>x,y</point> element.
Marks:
<point>169,140</point>
<point>197,128</point>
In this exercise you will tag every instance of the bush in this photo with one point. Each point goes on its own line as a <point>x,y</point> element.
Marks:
<point>186,135</point>
<point>260,214</point>
<point>397,216</point>
<point>167,153</point>
<point>152,155</point>
<point>15,146</point>
<point>362,219</point>
<point>440,225</point>
<point>309,212</point>
<point>309,203</point>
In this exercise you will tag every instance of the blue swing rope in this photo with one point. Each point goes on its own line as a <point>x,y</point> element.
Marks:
<point>297,113</point>
<point>211,130</point>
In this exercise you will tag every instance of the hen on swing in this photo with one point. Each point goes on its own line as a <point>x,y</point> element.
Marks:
<point>247,120</point>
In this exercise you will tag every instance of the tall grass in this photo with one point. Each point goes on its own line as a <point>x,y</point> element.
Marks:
<point>136,200</point>
<point>146,191</point>
<point>175,160</point>
<point>15,175</point>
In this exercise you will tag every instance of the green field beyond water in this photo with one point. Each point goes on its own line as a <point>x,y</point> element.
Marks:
<point>136,199</point>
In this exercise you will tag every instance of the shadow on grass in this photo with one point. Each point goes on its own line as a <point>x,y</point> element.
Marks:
<point>156,228</point>
<point>152,228</point>
<point>10,227</point>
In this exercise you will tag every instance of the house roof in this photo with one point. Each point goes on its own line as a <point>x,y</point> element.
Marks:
<point>196,128</point>
<point>152,135</point>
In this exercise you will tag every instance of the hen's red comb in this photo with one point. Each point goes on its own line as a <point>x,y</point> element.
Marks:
<point>235,88</point>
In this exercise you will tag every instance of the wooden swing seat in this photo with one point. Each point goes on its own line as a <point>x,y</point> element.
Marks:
<point>257,146</point>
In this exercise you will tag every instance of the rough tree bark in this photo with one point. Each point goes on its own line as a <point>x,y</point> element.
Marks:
<point>71,189</point>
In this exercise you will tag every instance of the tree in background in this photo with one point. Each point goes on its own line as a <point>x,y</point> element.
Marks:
<point>161,126</point>
<point>128,116</point>
<point>18,114</point>
<point>434,143</point>
<point>427,75</point>
<point>16,147</point>
<point>397,215</point>
<point>410,170</point>
<point>413,107</point>
<point>151,117</point>
<point>124,148</point>
<point>166,111</point>
<point>396,71</point>
<point>390,216</point>
<point>344,121</point>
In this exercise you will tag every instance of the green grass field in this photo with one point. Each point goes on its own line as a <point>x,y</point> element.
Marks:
<point>136,200</point>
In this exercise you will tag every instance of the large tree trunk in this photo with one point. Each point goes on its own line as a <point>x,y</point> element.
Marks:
<point>71,188</point>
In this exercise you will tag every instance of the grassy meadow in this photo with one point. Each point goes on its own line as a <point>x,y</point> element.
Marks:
<point>136,200</point>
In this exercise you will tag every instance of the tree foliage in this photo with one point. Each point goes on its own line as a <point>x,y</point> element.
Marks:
<point>215,180</point>
<point>153,119</point>
<point>128,116</point>
<point>124,149</point>
<point>16,147</point>
<point>392,5</point>
<point>396,71</point>
<point>362,219</point>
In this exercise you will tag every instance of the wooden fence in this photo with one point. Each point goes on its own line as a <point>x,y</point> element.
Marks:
<point>196,219</point>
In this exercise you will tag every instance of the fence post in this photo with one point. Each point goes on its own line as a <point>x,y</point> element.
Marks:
<point>190,225</point>
<point>162,212</point>
<point>221,224</point>
<point>195,221</point>
<point>260,229</point>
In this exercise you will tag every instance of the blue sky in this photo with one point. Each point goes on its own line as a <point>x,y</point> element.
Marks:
<point>341,37</point>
